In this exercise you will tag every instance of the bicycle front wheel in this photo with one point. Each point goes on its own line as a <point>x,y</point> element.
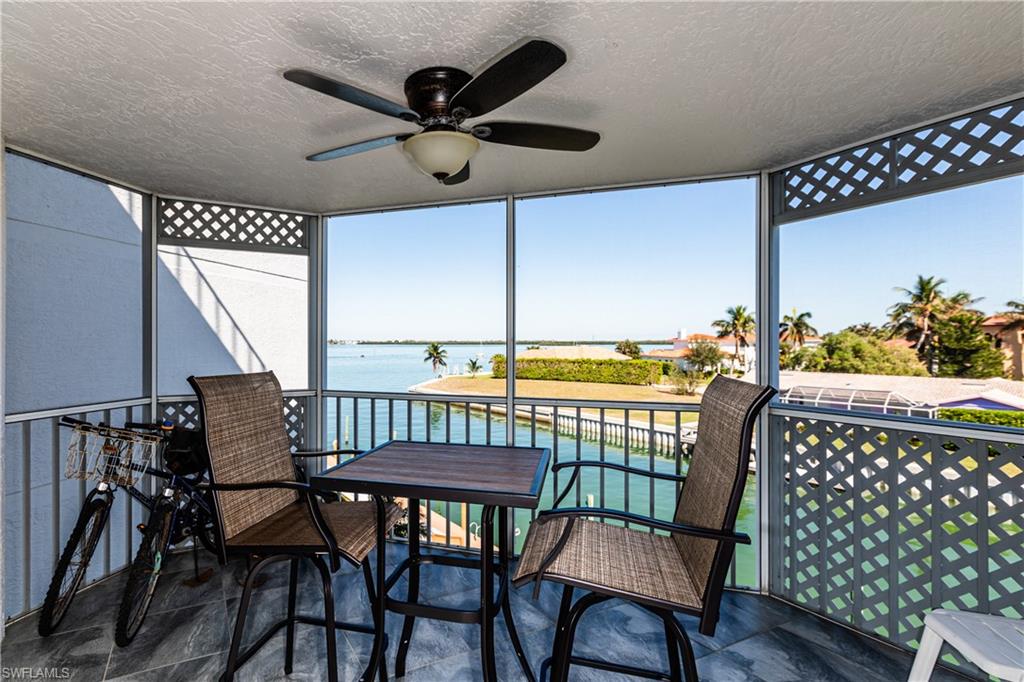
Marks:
<point>73,562</point>
<point>144,573</point>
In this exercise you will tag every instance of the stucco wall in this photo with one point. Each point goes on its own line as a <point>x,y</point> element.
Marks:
<point>74,289</point>
<point>222,311</point>
<point>73,274</point>
<point>73,280</point>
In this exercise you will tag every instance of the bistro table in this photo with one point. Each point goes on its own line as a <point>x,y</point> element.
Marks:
<point>496,477</point>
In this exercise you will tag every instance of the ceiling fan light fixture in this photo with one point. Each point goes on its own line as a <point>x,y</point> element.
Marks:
<point>441,153</point>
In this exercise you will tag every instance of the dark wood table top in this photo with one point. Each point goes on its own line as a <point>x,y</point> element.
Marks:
<point>448,472</point>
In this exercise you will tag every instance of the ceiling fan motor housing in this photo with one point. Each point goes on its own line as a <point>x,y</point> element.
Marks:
<point>429,90</point>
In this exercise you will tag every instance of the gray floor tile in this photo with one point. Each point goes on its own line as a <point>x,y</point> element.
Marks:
<point>82,654</point>
<point>204,668</point>
<point>172,637</point>
<point>187,634</point>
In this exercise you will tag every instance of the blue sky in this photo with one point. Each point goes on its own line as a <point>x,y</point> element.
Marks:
<point>645,263</point>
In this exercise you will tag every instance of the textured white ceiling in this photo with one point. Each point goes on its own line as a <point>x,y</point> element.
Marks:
<point>187,98</point>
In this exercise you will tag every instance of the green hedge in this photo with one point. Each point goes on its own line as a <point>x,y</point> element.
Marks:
<point>994,417</point>
<point>636,372</point>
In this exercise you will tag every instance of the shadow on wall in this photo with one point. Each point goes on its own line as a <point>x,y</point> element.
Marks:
<point>74,283</point>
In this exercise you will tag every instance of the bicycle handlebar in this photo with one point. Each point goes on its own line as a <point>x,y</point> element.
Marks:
<point>141,426</point>
<point>71,421</point>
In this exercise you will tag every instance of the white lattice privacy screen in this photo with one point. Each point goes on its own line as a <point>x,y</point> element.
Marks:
<point>983,144</point>
<point>876,526</point>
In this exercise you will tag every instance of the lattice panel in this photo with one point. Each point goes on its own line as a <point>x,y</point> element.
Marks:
<point>295,421</point>
<point>984,139</point>
<point>879,526</point>
<point>186,413</point>
<point>976,142</point>
<point>850,174</point>
<point>202,224</point>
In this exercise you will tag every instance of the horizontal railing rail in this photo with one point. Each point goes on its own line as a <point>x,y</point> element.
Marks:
<point>877,521</point>
<point>17,417</point>
<point>920,424</point>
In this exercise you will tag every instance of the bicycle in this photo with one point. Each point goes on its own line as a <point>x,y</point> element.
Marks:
<point>118,457</point>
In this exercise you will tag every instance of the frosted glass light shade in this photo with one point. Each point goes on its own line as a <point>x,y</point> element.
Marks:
<point>441,153</point>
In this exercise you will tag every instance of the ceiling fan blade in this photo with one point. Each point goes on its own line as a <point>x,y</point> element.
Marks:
<point>509,77</point>
<point>357,148</point>
<point>350,94</point>
<point>461,176</point>
<point>537,135</point>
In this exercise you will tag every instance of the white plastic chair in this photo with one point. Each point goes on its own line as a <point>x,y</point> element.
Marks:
<point>993,643</point>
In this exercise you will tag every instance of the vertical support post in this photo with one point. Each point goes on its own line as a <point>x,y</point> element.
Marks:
<point>317,342</point>
<point>510,350</point>
<point>510,319</point>
<point>3,364</point>
<point>767,316</point>
<point>150,228</point>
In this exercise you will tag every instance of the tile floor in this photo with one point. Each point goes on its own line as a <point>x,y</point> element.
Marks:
<point>187,632</point>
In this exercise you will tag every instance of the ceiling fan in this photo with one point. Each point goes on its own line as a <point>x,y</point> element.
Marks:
<point>441,98</point>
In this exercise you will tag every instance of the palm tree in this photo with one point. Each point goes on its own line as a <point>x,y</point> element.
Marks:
<point>436,355</point>
<point>474,367</point>
<point>914,318</point>
<point>738,324</point>
<point>796,327</point>
<point>1014,316</point>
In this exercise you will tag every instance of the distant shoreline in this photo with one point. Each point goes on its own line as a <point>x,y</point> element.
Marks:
<point>488,342</point>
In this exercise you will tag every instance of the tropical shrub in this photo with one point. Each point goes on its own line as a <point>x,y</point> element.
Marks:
<point>848,353</point>
<point>685,382</point>
<point>635,372</point>
<point>993,417</point>
<point>964,350</point>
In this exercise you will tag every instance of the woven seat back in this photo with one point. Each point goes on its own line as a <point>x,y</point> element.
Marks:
<point>243,415</point>
<point>718,471</point>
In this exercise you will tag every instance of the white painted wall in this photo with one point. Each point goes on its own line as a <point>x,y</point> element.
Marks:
<point>74,280</point>
<point>73,303</point>
<point>74,289</point>
<point>223,311</point>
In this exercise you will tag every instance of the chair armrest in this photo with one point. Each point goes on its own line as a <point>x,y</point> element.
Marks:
<point>601,512</point>
<point>578,464</point>
<point>323,453</point>
<point>257,485</point>
<point>619,467</point>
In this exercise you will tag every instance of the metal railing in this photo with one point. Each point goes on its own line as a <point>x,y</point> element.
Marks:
<point>877,521</point>
<point>48,504</point>
<point>652,436</point>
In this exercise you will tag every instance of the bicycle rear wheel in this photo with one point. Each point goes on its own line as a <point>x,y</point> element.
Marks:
<point>144,573</point>
<point>73,562</point>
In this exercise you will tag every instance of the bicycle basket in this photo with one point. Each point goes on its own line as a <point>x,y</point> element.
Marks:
<point>109,454</point>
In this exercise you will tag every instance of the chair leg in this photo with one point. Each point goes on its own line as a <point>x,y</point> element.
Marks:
<point>243,609</point>
<point>927,654</point>
<point>683,643</point>
<point>573,619</point>
<point>332,642</point>
<point>289,646</point>
<point>675,672</point>
<point>554,660</point>
<point>378,600</point>
<point>377,656</point>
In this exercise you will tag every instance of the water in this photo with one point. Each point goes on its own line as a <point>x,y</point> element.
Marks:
<point>394,368</point>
